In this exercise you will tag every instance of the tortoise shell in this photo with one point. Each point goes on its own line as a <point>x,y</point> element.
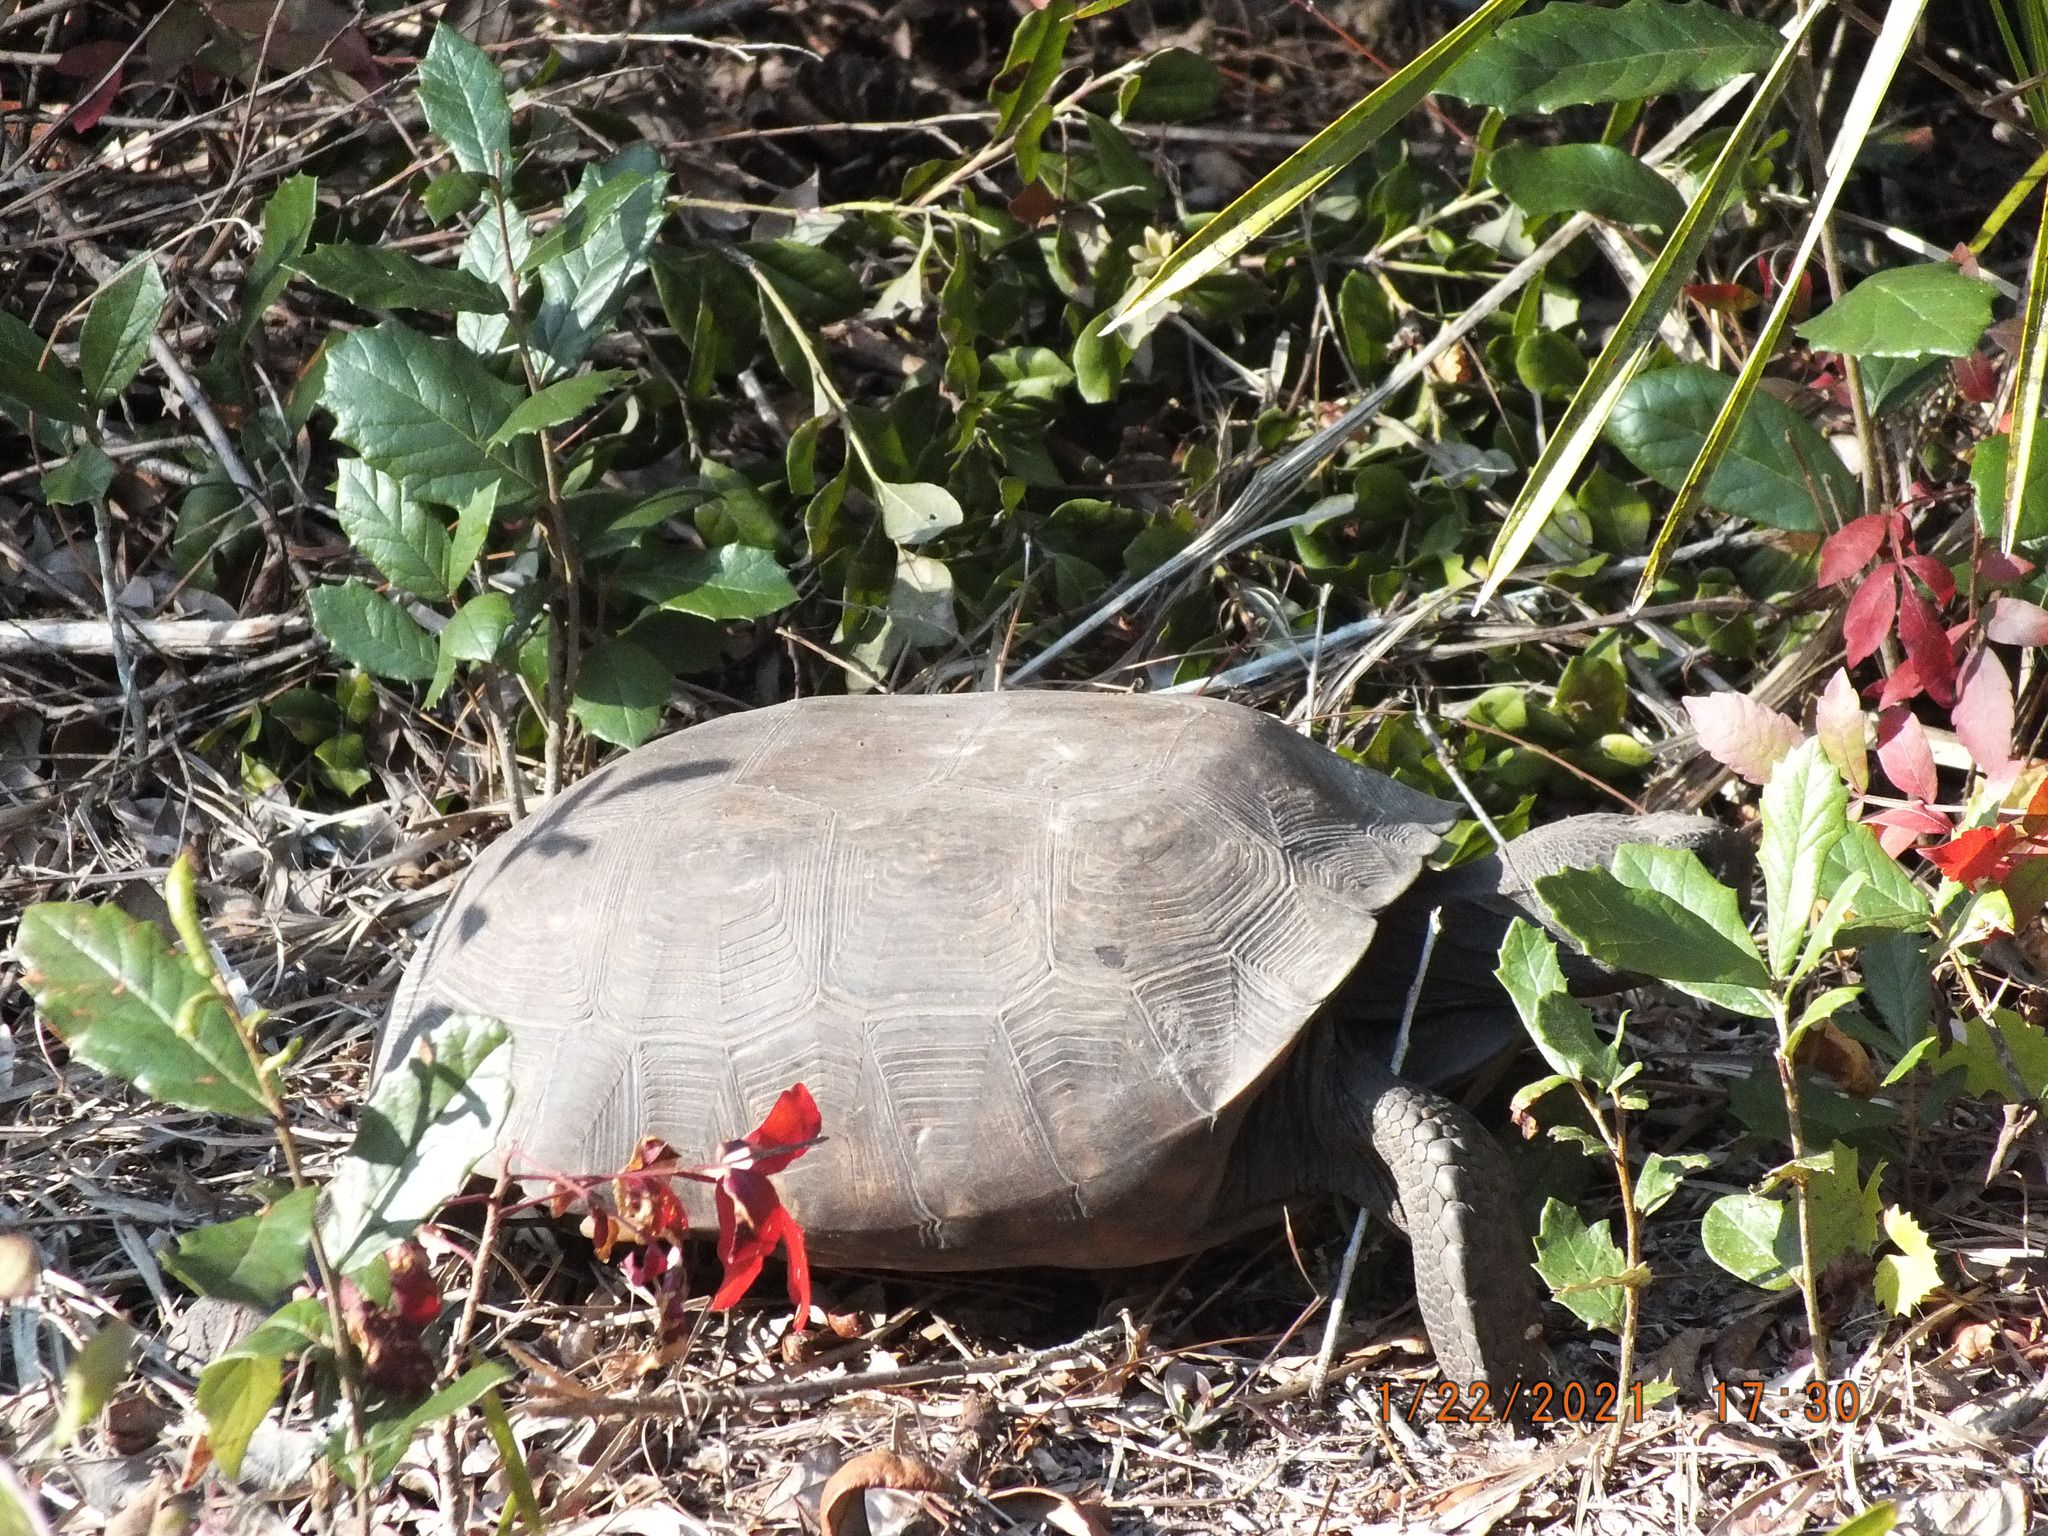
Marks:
<point>1033,953</point>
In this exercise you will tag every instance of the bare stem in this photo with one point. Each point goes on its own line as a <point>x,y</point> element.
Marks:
<point>1802,1199</point>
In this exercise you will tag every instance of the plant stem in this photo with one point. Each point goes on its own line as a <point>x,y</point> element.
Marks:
<point>179,896</point>
<point>1802,1199</point>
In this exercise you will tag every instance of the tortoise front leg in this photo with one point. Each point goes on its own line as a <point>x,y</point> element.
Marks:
<point>1438,1176</point>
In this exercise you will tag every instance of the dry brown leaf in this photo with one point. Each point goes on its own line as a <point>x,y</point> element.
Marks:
<point>842,1508</point>
<point>1076,1517</point>
<point>20,1270</point>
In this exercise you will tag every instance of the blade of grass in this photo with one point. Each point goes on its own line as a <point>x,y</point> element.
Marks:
<point>2030,374</point>
<point>1885,55</point>
<point>1637,332</point>
<point>1294,180</point>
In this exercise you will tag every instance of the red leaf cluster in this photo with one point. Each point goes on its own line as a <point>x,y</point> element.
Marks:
<point>646,1211</point>
<point>1890,601</point>
<point>391,1341</point>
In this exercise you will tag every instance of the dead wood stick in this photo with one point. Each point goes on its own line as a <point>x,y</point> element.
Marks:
<point>164,637</point>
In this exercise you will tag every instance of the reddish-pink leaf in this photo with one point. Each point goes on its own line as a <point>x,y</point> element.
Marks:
<point>1851,547</point>
<point>1869,616</point>
<point>1904,753</point>
<point>1741,734</point>
<point>1926,644</point>
<point>2015,621</point>
<point>1983,714</point>
<point>1995,568</point>
<point>1976,378</point>
<point>95,61</point>
<point>1902,826</point>
<point>1940,579</point>
<point>1974,855</point>
<point>1839,722</point>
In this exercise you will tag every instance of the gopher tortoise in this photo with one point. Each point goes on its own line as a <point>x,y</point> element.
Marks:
<point>1076,980</point>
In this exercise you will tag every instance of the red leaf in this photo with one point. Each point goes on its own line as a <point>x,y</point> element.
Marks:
<point>792,1125</point>
<point>1974,855</point>
<point>1723,298</point>
<point>1995,568</point>
<point>414,1296</point>
<point>1902,684</point>
<point>1871,610</point>
<point>1851,547</point>
<point>1926,643</point>
<point>1983,713</point>
<point>1940,579</point>
<point>1976,377</point>
<point>1741,734</point>
<point>2015,621</point>
<point>1839,723</point>
<point>91,61</point>
<point>1903,751</point>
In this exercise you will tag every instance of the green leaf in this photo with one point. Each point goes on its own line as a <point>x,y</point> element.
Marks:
<point>1910,1276</point>
<point>472,528</point>
<point>917,510</point>
<point>620,693</point>
<point>369,629</point>
<point>255,1260</point>
<point>1663,417</point>
<point>236,1390</point>
<point>1654,927</point>
<point>618,208</point>
<point>111,989</point>
<point>1754,1238</point>
<point>377,277</point>
<point>1561,1026</point>
<point>1301,175</point>
<point>1844,1207</point>
<point>403,539</point>
<point>733,581</point>
<point>287,224</point>
<point>1585,178</point>
<point>35,378</point>
<point>388,1439</point>
<point>118,327</point>
<point>1897,979</point>
<point>84,477</point>
<point>235,1393</point>
<point>1582,1266</point>
<point>1888,896</point>
<point>476,633</point>
<point>425,409</point>
<point>451,192</point>
<point>1982,1060</point>
<point>1805,813</point>
<point>564,400</point>
<point>1987,487</point>
<point>1569,55</point>
<point>1660,1176</point>
<point>818,286</point>
<point>1880,1519</point>
<point>89,1381</point>
<point>1929,310</point>
<point>427,1122</point>
<point>1175,85</point>
<point>463,95</point>
<point>487,254</point>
